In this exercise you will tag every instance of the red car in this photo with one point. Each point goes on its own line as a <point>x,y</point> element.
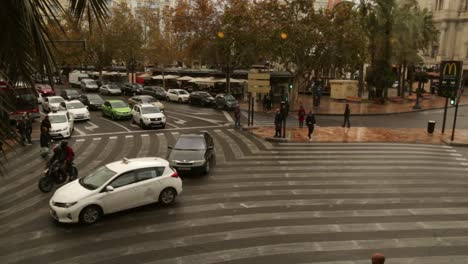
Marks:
<point>45,90</point>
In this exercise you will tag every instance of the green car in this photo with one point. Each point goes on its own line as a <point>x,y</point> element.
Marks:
<point>116,109</point>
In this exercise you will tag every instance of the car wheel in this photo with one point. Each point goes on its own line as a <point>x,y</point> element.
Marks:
<point>180,101</point>
<point>167,196</point>
<point>113,117</point>
<point>142,124</point>
<point>207,167</point>
<point>90,215</point>
<point>163,126</point>
<point>202,104</point>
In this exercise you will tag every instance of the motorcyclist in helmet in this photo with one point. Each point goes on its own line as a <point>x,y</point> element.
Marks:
<point>65,155</point>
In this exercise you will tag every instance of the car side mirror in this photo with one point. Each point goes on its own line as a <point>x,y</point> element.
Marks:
<point>109,188</point>
<point>169,147</point>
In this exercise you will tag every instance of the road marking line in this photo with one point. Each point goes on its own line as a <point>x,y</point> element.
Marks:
<point>92,127</point>
<point>145,131</point>
<point>455,154</point>
<point>175,133</point>
<point>167,123</point>
<point>114,137</point>
<point>128,136</point>
<point>217,131</point>
<point>144,135</point>
<point>203,119</point>
<point>80,140</point>
<point>231,130</point>
<point>79,131</point>
<point>116,124</point>
<point>98,138</point>
<point>228,117</point>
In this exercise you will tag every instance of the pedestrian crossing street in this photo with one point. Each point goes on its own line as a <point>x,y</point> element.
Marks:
<point>262,203</point>
<point>268,119</point>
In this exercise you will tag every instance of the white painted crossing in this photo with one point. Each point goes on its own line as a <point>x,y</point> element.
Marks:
<point>262,203</point>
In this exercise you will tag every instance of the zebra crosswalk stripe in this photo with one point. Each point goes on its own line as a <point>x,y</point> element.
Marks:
<point>282,203</point>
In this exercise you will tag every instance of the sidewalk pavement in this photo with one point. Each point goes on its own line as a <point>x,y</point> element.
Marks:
<point>364,107</point>
<point>366,134</point>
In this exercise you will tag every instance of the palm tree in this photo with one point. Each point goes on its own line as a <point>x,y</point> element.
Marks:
<point>26,47</point>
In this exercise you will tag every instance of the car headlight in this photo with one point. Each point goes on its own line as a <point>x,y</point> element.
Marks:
<point>146,119</point>
<point>172,162</point>
<point>65,205</point>
<point>198,162</point>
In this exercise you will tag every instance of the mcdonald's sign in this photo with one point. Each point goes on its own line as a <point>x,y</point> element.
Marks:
<point>450,78</point>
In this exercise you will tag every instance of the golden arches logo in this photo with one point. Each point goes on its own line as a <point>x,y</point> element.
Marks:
<point>450,69</point>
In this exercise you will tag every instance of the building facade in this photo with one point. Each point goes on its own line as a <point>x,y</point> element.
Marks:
<point>451,19</point>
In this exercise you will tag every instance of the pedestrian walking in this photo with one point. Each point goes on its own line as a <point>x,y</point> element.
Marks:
<point>265,103</point>
<point>28,128</point>
<point>237,115</point>
<point>347,113</point>
<point>319,95</point>
<point>310,122</point>
<point>300,116</point>
<point>45,142</point>
<point>46,123</point>
<point>278,123</point>
<point>20,126</point>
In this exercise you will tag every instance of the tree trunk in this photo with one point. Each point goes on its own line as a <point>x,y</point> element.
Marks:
<point>399,79</point>
<point>361,80</point>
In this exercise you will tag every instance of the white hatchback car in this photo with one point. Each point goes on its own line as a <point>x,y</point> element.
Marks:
<point>52,103</point>
<point>76,109</point>
<point>148,115</point>
<point>177,95</point>
<point>115,187</point>
<point>61,123</point>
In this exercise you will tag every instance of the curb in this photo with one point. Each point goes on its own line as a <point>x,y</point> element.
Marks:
<point>454,143</point>
<point>379,114</point>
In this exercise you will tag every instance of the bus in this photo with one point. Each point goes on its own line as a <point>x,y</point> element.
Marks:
<point>24,100</point>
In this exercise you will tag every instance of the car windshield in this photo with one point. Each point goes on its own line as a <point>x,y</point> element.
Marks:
<point>90,82</point>
<point>229,98</point>
<point>94,97</point>
<point>56,119</point>
<point>205,95</point>
<point>182,92</point>
<point>148,100</point>
<point>75,105</point>
<point>72,92</point>
<point>56,100</point>
<point>150,110</point>
<point>118,105</point>
<point>97,178</point>
<point>190,143</point>
<point>112,86</point>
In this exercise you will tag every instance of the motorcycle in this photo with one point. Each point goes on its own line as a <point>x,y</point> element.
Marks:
<point>54,175</point>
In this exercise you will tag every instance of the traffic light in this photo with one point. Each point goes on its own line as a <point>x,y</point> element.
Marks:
<point>452,100</point>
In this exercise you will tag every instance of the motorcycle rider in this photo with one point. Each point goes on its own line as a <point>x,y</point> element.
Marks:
<point>65,155</point>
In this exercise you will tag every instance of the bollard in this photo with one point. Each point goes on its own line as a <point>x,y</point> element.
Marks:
<point>378,258</point>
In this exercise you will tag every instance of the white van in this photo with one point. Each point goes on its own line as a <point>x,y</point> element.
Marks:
<point>75,78</point>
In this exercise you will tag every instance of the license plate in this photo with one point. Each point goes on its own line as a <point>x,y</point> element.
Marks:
<point>184,169</point>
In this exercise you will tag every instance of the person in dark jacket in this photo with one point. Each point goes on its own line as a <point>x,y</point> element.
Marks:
<point>20,126</point>
<point>301,115</point>
<point>45,138</point>
<point>46,123</point>
<point>347,113</point>
<point>278,123</point>
<point>28,128</point>
<point>310,122</point>
<point>45,142</point>
<point>237,115</point>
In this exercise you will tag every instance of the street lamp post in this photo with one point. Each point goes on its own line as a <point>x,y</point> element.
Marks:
<point>228,64</point>
<point>284,112</point>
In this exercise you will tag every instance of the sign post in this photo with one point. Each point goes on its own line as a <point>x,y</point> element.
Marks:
<point>449,85</point>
